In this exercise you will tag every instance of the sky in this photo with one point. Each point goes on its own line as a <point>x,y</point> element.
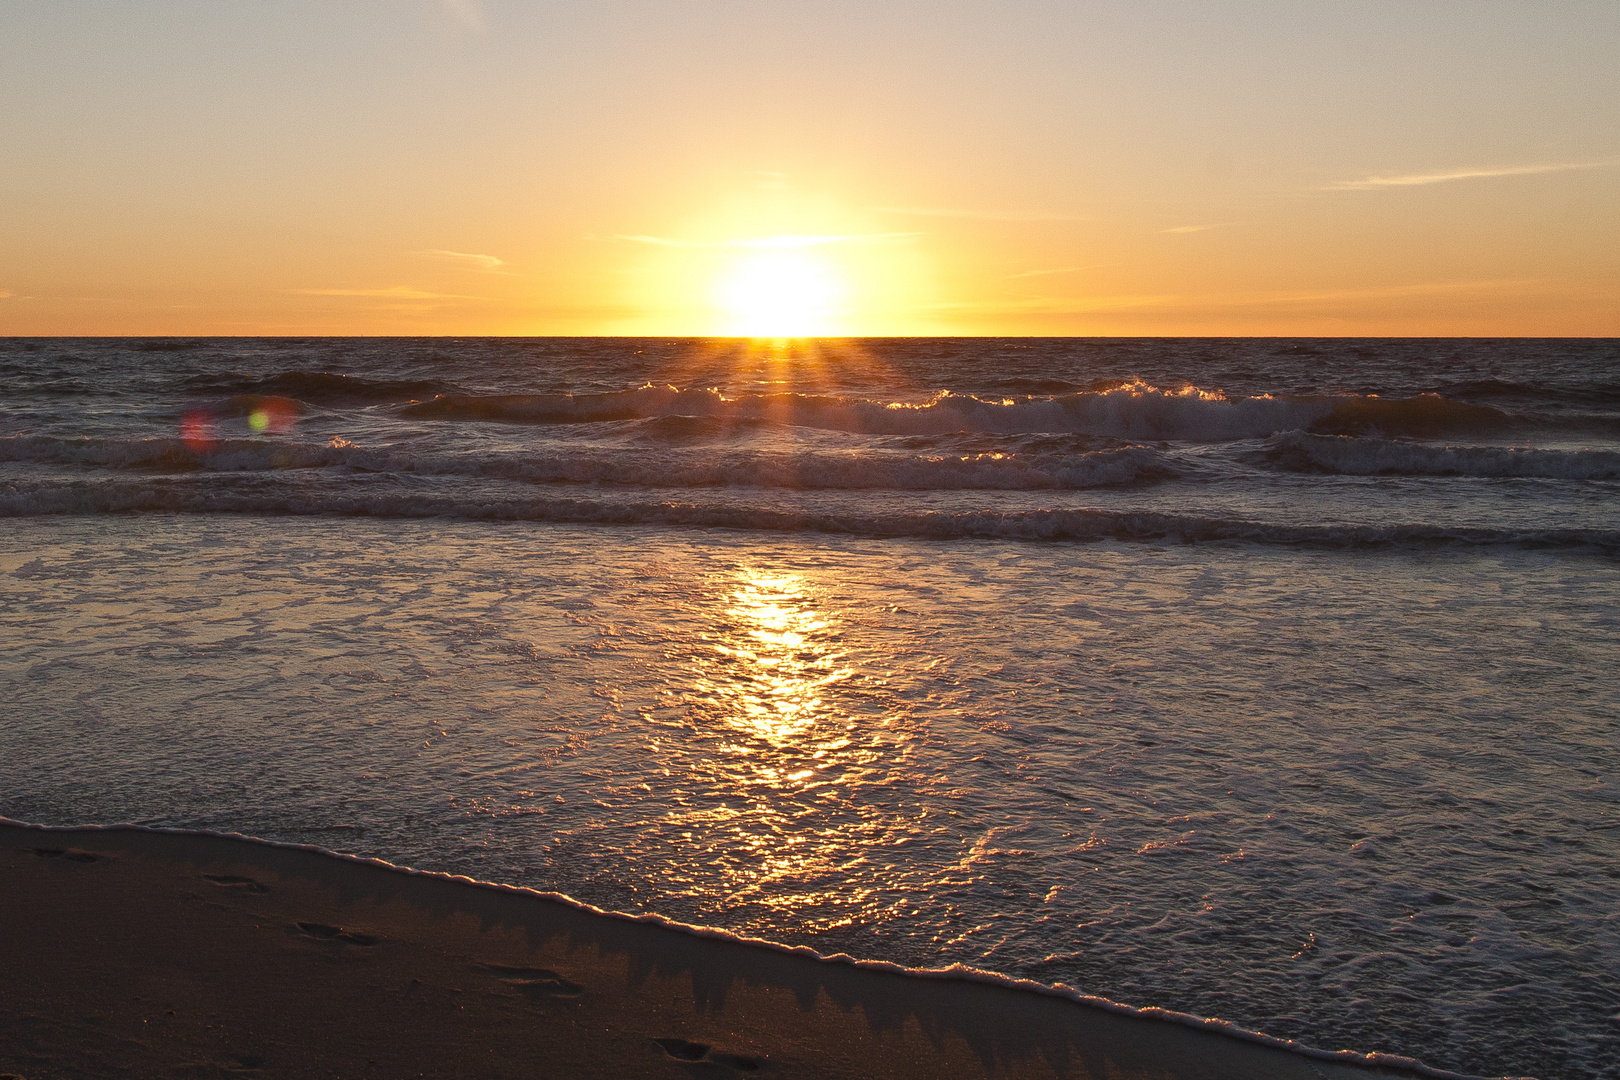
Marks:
<point>697,167</point>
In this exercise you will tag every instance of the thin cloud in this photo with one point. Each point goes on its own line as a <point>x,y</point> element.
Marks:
<point>1373,183</point>
<point>6,294</point>
<point>794,241</point>
<point>1048,273</point>
<point>1381,292</point>
<point>1090,305</point>
<point>790,240</point>
<point>486,263</point>
<point>660,241</point>
<point>1048,305</point>
<point>975,215</point>
<point>1193,228</point>
<point>396,292</point>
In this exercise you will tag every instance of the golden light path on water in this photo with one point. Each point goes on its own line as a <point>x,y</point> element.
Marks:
<point>776,645</point>
<point>765,682</point>
<point>801,734</point>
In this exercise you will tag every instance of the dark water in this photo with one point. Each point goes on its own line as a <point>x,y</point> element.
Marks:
<point>1316,442</point>
<point>1267,680</point>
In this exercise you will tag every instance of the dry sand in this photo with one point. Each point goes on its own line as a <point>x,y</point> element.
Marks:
<point>136,953</point>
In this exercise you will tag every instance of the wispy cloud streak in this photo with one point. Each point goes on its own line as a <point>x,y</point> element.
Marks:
<point>1049,273</point>
<point>487,263</point>
<point>394,292</point>
<point>1194,302</point>
<point>976,215</point>
<point>1374,183</point>
<point>787,241</point>
<point>1049,305</point>
<point>1384,292</point>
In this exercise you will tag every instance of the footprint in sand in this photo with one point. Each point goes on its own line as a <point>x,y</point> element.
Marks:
<point>323,932</point>
<point>682,1050</point>
<point>535,982</point>
<point>71,854</point>
<point>246,884</point>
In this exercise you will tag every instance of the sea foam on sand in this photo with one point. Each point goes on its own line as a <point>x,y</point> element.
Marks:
<point>160,952</point>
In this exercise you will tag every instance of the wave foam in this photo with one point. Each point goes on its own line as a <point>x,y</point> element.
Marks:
<point>1131,411</point>
<point>1135,411</point>
<point>813,470</point>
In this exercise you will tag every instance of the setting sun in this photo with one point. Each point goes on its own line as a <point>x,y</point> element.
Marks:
<point>785,292</point>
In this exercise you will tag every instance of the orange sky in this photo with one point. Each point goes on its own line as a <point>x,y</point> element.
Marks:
<point>457,167</point>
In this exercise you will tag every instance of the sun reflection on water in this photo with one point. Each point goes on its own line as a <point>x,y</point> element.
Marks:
<point>778,661</point>
<point>794,743</point>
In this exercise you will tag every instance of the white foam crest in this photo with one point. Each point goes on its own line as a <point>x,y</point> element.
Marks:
<point>1134,411</point>
<point>1353,456</point>
<point>1140,411</point>
<point>799,471</point>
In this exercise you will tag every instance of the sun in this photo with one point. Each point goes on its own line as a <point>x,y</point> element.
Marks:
<point>779,293</point>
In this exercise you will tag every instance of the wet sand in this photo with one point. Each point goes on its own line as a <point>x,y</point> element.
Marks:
<point>140,953</point>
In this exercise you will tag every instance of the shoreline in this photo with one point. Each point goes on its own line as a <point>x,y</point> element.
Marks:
<point>169,952</point>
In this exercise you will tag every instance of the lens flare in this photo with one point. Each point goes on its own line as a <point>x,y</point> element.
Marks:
<point>272,414</point>
<point>197,431</point>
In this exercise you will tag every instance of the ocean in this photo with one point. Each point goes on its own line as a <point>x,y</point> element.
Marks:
<point>1267,680</point>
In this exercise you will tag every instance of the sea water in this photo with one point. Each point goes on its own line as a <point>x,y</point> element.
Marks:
<point>1273,681</point>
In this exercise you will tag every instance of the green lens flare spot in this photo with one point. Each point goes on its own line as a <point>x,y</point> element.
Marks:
<point>258,419</point>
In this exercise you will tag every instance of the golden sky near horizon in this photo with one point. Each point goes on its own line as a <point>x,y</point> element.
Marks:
<point>729,167</point>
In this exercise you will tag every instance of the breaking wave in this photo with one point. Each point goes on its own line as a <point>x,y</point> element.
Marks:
<point>1131,411</point>
<point>1303,452</point>
<point>805,470</point>
<point>664,465</point>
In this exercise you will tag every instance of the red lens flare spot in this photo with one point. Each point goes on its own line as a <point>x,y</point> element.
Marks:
<point>197,431</point>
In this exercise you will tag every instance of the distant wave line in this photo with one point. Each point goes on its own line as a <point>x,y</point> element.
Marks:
<point>1075,525</point>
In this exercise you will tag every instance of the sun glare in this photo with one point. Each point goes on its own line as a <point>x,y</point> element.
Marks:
<point>779,293</point>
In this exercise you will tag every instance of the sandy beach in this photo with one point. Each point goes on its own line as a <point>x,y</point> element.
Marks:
<point>141,953</point>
